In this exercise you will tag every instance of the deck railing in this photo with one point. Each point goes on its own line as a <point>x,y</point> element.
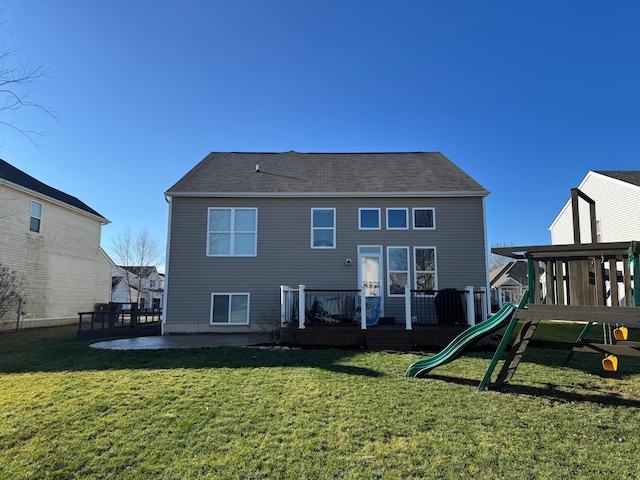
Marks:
<point>342,307</point>
<point>448,307</point>
<point>116,320</point>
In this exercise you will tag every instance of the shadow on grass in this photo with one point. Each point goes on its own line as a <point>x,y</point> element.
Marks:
<point>549,391</point>
<point>31,351</point>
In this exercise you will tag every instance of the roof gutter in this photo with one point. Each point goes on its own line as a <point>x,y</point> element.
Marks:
<point>481,193</point>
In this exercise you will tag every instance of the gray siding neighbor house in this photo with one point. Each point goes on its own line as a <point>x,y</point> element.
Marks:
<point>242,225</point>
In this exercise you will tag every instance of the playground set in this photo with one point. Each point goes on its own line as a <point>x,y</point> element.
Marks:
<point>588,283</point>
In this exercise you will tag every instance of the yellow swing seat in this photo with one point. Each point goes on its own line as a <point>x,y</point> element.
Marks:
<point>610,363</point>
<point>621,333</point>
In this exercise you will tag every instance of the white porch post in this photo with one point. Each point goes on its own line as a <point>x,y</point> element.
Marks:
<point>363,308</point>
<point>282,306</point>
<point>471,320</point>
<point>500,297</point>
<point>301,306</point>
<point>407,307</point>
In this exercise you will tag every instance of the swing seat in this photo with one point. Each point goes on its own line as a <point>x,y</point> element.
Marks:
<point>610,363</point>
<point>621,333</point>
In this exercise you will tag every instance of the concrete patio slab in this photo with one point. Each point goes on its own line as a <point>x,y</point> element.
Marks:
<point>184,341</point>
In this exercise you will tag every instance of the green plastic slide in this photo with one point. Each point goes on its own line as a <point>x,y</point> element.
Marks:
<point>459,344</point>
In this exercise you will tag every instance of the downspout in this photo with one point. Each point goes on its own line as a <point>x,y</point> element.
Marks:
<point>166,263</point>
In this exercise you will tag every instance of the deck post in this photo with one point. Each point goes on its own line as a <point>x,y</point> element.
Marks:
<point>486,305</point>
<point>282,305</point>
<point>407,307</point>
<point>301,307</point>
<point>363,308</point>
<point>634,261</point>
<point>471,318</point>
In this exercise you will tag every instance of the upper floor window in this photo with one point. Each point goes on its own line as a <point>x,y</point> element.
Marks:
<point>397,219</point>
<point>323,228</point>
<point>369,218</point>
<point>424,218</point>
<point>152,284</point>
<point>36,217</point>
<point>232,232</point>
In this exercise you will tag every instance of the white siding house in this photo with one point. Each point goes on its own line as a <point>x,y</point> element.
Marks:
<point>617,205</point>
<point>52,240</point>
<point>617,198</point>
<point>141,285</point>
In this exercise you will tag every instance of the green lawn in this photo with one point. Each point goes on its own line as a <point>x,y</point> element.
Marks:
<point>69,411</point>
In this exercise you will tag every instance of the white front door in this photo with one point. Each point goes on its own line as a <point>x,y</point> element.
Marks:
<point>370,272</point>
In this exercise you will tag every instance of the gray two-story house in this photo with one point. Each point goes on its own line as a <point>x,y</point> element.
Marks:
<point>242,225</point>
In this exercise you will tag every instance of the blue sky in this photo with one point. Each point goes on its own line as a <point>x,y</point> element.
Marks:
<point>526,97</point>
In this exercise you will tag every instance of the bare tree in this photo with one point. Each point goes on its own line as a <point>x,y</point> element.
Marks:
<point>497,261</point>
<point>139,255</point>
<point>12,288</point>
<point>17,83</point>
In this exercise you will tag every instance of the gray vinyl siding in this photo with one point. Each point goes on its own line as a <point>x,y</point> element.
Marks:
<point>284,255</point>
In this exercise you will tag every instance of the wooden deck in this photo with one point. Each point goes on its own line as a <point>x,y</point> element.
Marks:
<point>379,337</point>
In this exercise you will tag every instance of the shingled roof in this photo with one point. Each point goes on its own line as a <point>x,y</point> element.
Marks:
<point>293,173</point>
<point>11,174</point>
<point>628,176</point>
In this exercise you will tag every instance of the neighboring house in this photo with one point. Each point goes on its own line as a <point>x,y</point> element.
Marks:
<point>243,224</point>
<point>141,285</point>
<point>617,201</point>
<point>508,283</point>
<point>616,194</point>
<point>53,240</point>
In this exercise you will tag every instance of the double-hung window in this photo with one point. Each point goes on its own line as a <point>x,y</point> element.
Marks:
<point>323,228</point>
<point>397,219</point>
<point>397,270</point>
<point>424,218</point>
<point>229,308</point>
<point>425,268</point>
<point>232,232</point>
<point>36,217</point>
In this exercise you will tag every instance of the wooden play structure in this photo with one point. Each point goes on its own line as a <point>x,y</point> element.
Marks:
<point>582,282</point>
<point>590,283</point>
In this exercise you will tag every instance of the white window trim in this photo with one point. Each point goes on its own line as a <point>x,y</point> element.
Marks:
<point>321,247</point>
<point>413,217</point>
<point>406,213</point>
<point>228,294</point>
<point>435,266</point>
<point>32,216</point>
<point>233,232</point>
<point>369,228</point>
<point>389,271</point>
